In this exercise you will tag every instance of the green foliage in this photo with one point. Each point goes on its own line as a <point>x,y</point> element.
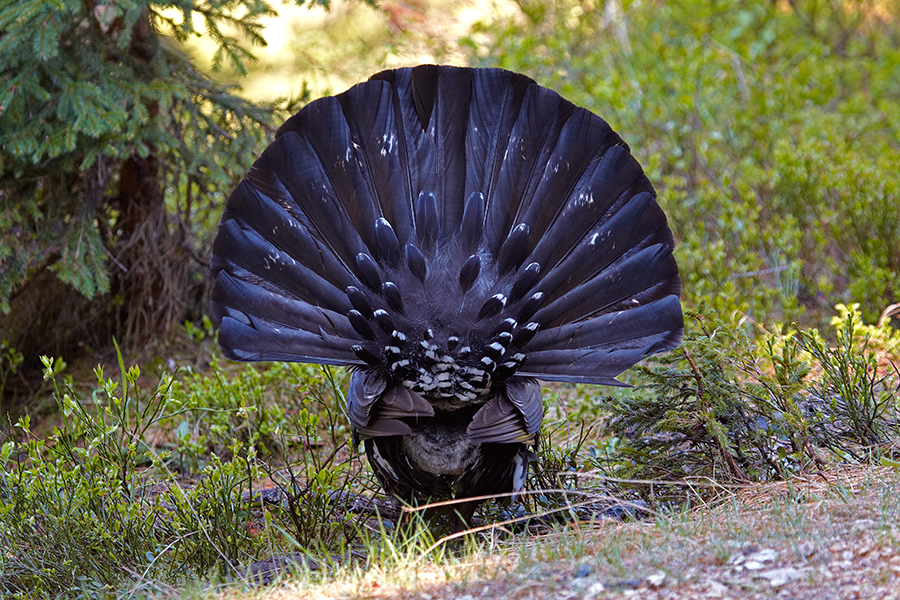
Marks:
<point>212,520</point>
<point>859,405</point>
<point>115,149</point>
<point>84,509</point>
<point>727,409</point>
<point>287,412</point>
<point>71,509</point>
<point>701,416</point>
<point>10,359</point>
<point>269,410</point>
<point>770,130</point>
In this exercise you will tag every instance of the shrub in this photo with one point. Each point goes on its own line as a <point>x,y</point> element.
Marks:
<point>726,409</point>
<point>84,509</point>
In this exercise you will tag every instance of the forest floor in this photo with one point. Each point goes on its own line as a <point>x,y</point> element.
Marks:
<point>831,536</point>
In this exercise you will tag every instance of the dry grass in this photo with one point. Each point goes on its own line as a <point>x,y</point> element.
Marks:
<point>834,535</point>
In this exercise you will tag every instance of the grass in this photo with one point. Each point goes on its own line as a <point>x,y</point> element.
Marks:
<point>230,477</point>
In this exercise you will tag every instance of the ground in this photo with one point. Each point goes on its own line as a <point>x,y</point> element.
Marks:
<point>834,535</point>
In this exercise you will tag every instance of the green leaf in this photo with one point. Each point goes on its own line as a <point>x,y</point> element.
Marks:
<point>887,462</point>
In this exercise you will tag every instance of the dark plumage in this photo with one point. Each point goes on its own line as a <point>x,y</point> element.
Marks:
<point>454,235</point>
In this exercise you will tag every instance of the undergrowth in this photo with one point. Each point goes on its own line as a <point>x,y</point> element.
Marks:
<point>107,496</point>
<point>205,473</point>
<point>725,408</point>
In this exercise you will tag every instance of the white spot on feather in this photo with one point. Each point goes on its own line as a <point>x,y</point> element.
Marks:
<point>383,464</point>
<point>584,199</point>
<point>387,143</point>
<point>498,347</point>
<point>520,473</point>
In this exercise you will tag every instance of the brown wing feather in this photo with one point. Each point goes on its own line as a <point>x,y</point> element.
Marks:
<point>499,421</point>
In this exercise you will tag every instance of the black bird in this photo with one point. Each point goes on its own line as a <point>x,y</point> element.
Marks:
<point>453,235</point>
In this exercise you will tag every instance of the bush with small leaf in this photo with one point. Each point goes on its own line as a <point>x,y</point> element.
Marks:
<point>85,508</point>
<point>725,408</point>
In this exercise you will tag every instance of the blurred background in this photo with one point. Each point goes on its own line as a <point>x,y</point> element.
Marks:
<point>770,130</point>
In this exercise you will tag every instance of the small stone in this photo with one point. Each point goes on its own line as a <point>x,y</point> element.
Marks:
<point>779,577</point>
<point>806,549</point>
<point>716,590</point>
<point>656,579</point>
<point>594,589</point>
<point>764,555</point>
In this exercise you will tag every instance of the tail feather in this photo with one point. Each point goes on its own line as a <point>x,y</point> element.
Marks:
<point>270,267</point>
<point>320,167</point>
<point>597,350</point>
<point>583,146</point>
<point>433,103</point>
<point>262,325</point>
<point>291,173</point>
<point>638,224</point>
<point>268,214</point>
<point>593,200</point>
<point>473,220</point>
<point>629,327</point>
<point>497,98</point>
<point>614,288</point>
<point>529,144</point>
<point>381,154</point>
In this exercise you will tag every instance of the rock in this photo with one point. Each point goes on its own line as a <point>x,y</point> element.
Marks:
<point>779,577</point>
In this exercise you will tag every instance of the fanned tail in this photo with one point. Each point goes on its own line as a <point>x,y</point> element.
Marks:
<point>448,229</point>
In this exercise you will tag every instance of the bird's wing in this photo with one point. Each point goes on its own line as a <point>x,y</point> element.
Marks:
<point>376,409</point>
<point>511,415</point>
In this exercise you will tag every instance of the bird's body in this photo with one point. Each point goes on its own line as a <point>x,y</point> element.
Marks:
<point>454,235</point>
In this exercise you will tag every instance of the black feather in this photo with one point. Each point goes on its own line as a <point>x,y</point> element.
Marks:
<point>359,301</point>
<point>392,295</point>
<point>524,334</point>
<point>612,287</point>
<point>368,271</point>
<point>427,224</point>
<point>505,326</point>
<point>469,272</point>
<point>388,245</point>
<point>529,306</point>
<point>246,250</point>
<point>384,321</point>
<point>415,261</point>
<point>524,282</point>
<point>472,222</point>
<point>250,209</point>
<point>366,356</point>
<point>512,252</point>
<point>361,324</point>
<point>492,306</point>
<point>381,154</point>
